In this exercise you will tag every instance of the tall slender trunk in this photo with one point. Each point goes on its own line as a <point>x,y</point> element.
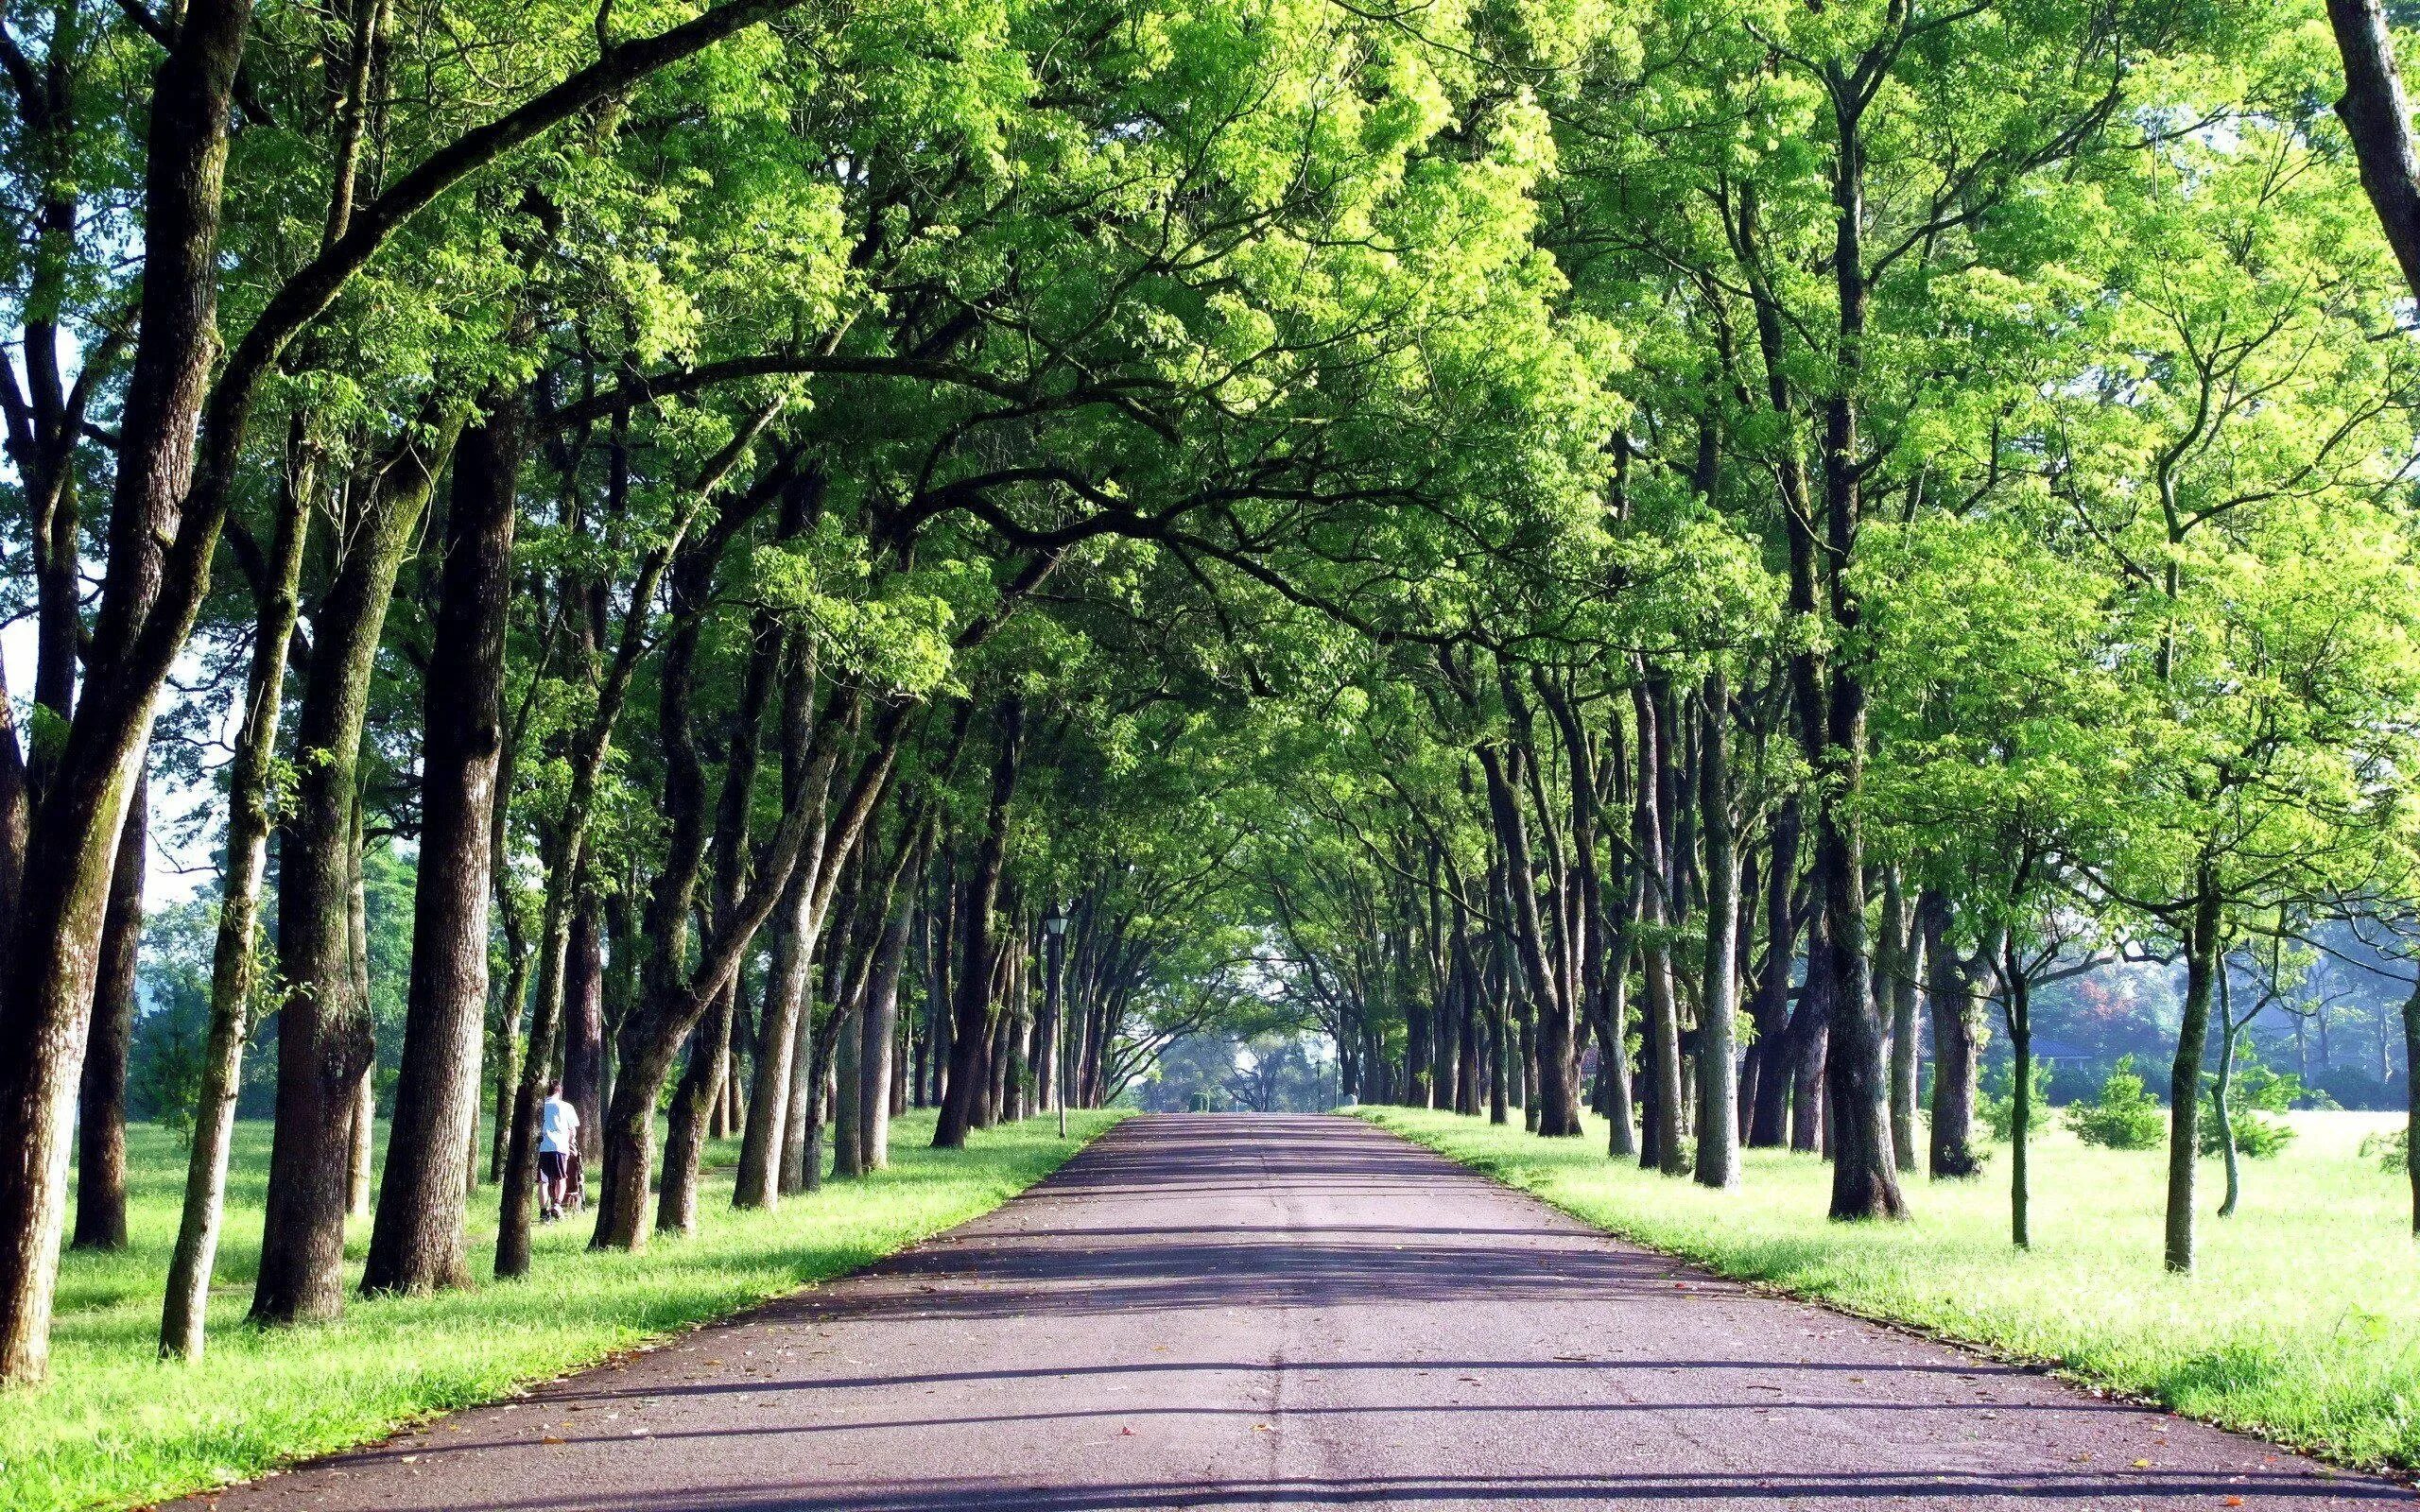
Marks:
<point>1718,1153</point>
<point>2185,1074</point>
<point>1774,1063</point>
<point>2019,1011</point>
<point>1810,1034</point>
<point>1865,1181</point>
<point>879,1025</point>
<point>234,955</point>
<point>1551,1037</point>
<point>416,1243</point>
<point>1901,951</point>
<point>2220,1086</point>
<point>848,1106</point>
<point>100,1163</point>
<point>705,1085</point>
<point>1660,1146</point>
<point>2412,1099</point>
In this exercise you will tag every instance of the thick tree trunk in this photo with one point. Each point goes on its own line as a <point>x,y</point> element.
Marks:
<point>2377,118</point>
<point>100,1161</point>
<point>585,1027</point>
<point>1956,992</point>
<point>1717,1152</point>
<point>49,953</point>
<point>323,1030</point>
<point>416,1244</point>
<point>693,1103</point>
<point>971,1034</point>
<point>761,1144</point>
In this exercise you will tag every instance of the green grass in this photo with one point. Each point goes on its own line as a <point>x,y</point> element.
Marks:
<point>113,1427</point>
<point>2301,1324</point>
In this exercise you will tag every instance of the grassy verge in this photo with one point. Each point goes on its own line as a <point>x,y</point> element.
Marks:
<point>114,1428</point>
<point>2302,1325</point>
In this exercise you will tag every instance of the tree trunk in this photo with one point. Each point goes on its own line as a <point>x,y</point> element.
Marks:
<point>879,1025</point>
<point>323,1042</point>
<point>235,954</point>
<point>364,1140</point>
<point>51,960</point>
<point>1901,951</point>
<point>1955,995</point>
<point>2019,1010</point>
<point>416,1244</point>
<point>1718,1153</point>
<point>2412,1099</point>
<point>585,1027</point>
<point>1775,1064</point>
<point>1810,1043</point>
<point>693,1106</point>
<point>2378,119</point>
<point>1551,1035</point>
<point>2185,1076</point>
<point>2220,1085</point>
<point>761,1144</point>
<point>100,1166</point>
<point>1660,1146</point>
<point>971,1033</point>
<point>848,1149</point>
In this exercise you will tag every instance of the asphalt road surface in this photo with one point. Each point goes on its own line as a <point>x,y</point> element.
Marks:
<point>1227,1311</point>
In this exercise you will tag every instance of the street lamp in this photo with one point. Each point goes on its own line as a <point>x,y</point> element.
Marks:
<point>1054,929</point>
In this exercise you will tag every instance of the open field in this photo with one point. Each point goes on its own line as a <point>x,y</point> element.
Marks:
<point>115,1428</point>
<point>2302,1325</point>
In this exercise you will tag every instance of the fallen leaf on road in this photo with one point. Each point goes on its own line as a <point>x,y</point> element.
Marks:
<point>2142,1464</point>
<point>550,1439</point>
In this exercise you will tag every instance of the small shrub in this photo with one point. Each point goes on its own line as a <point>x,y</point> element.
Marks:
<point>2124,1117</point>
<point>2390,1150</point>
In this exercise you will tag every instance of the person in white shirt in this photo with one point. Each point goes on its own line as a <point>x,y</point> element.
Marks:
<point>558,1136</point>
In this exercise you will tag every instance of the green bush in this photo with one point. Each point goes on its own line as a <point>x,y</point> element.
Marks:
<point>2389,1150</point>
<point>1998,1102</point>
<point>2124,1117</point>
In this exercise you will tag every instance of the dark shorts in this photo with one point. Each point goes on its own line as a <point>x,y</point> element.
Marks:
<point>550,1165</point>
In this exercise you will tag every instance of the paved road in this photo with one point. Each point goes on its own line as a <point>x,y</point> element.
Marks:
<point>1228,1312</point>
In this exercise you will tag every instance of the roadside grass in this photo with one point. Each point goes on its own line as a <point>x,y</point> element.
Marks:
<point>113,1427</point>
<point>2302,1323</point>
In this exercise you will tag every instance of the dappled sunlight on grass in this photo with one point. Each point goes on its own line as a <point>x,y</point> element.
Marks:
<point>2303,1322</point>
<point>113,1427</point>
